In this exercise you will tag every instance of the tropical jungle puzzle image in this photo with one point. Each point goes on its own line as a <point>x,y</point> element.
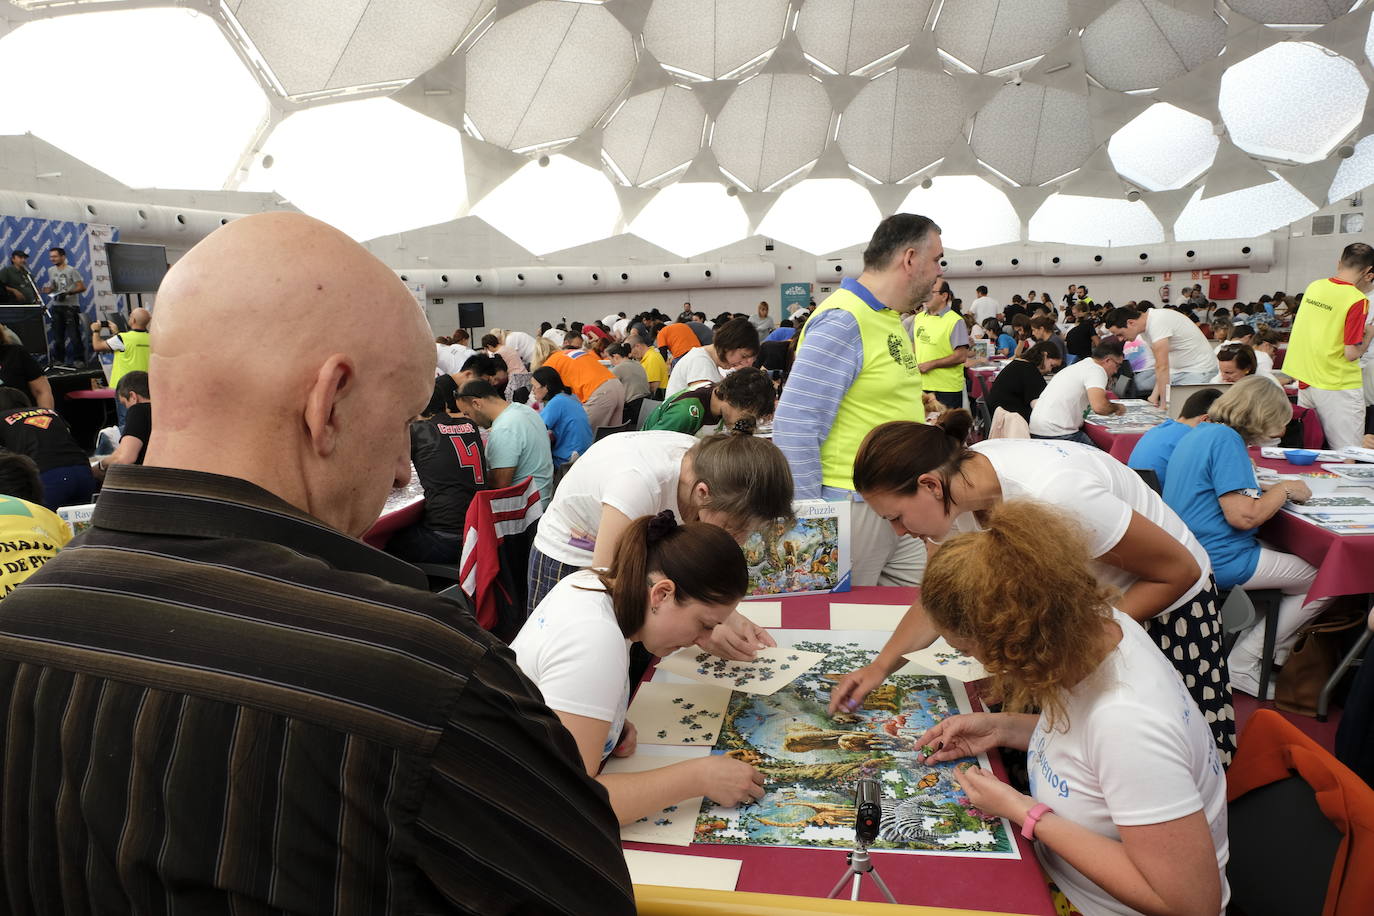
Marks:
<point>811,761</point>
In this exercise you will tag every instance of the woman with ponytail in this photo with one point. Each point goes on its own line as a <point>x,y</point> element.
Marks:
<point>734,481</point>
<point>926,483</point>
<point>576,646</point>
<point>1128,799</point>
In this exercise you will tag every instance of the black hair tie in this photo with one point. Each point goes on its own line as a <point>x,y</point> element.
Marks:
<point>744,426</point>
<point>661,525</point>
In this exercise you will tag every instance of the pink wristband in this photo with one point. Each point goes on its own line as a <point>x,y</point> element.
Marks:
<point>1032,818</point>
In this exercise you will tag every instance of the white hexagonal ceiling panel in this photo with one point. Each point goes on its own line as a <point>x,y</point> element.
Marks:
<point>1141,44</point>
<point>901,122</point>
<point>1033,134</point>
<point>654,132</point>
<point>772,126</point>
<point>713,38</point>
<point>1291,12</point>
<point>1163,148</point>
<point>846,35</point>
<point>547,73</point>
<point>990,35</point>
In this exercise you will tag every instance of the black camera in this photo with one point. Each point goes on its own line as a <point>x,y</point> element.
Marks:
<point>868,810</point>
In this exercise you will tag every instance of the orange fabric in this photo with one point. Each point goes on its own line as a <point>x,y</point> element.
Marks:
<point>678,338</point>
<point>1272,749</point>
<point>580,370</point>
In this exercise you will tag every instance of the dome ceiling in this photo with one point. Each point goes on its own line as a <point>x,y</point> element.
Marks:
<point>1174,102</point>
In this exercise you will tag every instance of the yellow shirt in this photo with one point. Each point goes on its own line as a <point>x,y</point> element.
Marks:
<point>654,367</point>
<point>30,536</point>
<point>1333,315</point>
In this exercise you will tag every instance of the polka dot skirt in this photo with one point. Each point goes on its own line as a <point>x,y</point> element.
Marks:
<point>1191,638</point>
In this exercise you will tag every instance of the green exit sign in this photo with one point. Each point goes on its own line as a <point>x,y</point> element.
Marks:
<point>1147,279</point>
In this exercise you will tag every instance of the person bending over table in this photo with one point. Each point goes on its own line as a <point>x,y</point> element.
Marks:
<point>734,481</point>
<point>1154,449</point>
<point>744,395</point>
<point>1019,385</point>
<point>1212,486</point>
<point>926,482</point>
<point>576,645</point>
<point>1128,800</point>
<point>1060,410</point>
<point>562,413</point>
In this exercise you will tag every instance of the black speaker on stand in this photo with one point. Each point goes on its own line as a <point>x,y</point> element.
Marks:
<point>471,315</point>
<point>26,321</point>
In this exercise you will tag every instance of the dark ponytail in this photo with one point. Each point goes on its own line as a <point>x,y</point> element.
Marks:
<point>894,455</point>
<point>680,553</point>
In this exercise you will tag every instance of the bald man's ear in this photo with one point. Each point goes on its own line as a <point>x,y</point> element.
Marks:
<point>332,384</point>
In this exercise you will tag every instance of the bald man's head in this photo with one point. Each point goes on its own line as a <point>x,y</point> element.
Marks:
<point>284,353</point>
<point>139,319</point>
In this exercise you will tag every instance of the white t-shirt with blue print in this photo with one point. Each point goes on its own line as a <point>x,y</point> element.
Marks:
<point>1136,752</point>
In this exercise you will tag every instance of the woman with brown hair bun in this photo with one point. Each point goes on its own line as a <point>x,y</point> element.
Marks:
<point>1128,800</point>
<point>927,483</point>
<point>576,646</point>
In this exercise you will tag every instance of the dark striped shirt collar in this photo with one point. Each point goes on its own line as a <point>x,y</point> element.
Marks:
<point>182,503</point>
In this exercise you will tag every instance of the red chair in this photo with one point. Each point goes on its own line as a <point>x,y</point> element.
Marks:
<point>1301,826</point>
<point>1313,436</point>
<point>496,552</point>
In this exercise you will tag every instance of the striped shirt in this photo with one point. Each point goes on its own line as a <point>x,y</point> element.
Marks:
<point>826,365</point>
<point>216,704</point>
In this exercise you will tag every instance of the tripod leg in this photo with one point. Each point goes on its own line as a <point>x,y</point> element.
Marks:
<point>835,891</point>
<point>882,886</point>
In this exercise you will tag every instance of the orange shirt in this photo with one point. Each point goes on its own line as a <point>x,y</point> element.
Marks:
<point>580,370</point>
<point>677,337</point>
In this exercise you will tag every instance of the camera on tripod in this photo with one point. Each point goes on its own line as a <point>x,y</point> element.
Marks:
<point>868,810</point>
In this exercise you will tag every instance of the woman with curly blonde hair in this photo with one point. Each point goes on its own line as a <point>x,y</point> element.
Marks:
<point>1128,800</point>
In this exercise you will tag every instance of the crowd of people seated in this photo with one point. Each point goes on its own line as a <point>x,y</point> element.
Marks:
<point>219,668</point>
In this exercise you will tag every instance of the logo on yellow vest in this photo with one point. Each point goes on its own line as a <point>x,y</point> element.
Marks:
<point>894,348</point>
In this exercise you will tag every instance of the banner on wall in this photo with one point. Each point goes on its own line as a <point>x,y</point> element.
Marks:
<point>104,300</point>
<point>795,296</point>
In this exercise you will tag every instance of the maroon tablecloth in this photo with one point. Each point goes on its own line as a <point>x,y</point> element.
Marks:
<point>1118,445</point>
<point>1345,562</point>
<point>92,394</point>
<point>997,885</point>
<point>981,378</point>
<point>391,522</point>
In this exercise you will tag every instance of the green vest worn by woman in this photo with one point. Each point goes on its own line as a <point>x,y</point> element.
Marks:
<point>888,386</point>
<point>932,342</point>
<point>133,358</point>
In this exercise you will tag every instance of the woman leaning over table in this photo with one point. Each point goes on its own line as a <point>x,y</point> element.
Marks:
<point>1211,485</point>
<point>928,483</point>
<point>1128,800</point>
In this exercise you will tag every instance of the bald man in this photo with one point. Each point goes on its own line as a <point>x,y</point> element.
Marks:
<point>224,701</point>
<point>130,350</point>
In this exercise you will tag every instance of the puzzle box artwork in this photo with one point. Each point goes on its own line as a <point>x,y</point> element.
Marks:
<point>809,557</point>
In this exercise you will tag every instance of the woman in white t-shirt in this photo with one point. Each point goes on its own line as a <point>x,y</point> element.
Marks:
<point>735,481</point>
<point>1128,799</point>
<point>926,483</point>
<point>735,345</point>
<point>576,644</point>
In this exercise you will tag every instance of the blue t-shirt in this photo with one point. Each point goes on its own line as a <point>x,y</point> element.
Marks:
<point>520,440</point>
<point>1155,448</point>
<point>1208,463</point>
<point>572,431</point>
<point>781,334</point>
<point>1006,342</point>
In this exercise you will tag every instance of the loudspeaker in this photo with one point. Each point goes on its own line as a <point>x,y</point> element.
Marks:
<point>27,322</point>
<point>471,315</point>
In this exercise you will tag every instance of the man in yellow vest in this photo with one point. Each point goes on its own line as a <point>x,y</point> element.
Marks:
<point>855,369</point>
<point>130,350</point>
<point>942,346</point>
<point>1330,334</point>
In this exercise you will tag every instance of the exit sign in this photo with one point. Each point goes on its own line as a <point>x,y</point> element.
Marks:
<point>1147,279</point>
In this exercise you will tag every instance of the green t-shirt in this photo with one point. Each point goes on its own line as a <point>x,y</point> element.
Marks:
<point>686,412</point>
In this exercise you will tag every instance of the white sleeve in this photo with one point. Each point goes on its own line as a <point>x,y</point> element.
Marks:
<point>1097,378</point>
<point>1157,326</point>
<point>1142,764</point>
<point>116,343</point>
<point>577,674</point>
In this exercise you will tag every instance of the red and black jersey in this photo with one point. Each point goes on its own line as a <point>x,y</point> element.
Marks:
<point>451,464</point>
